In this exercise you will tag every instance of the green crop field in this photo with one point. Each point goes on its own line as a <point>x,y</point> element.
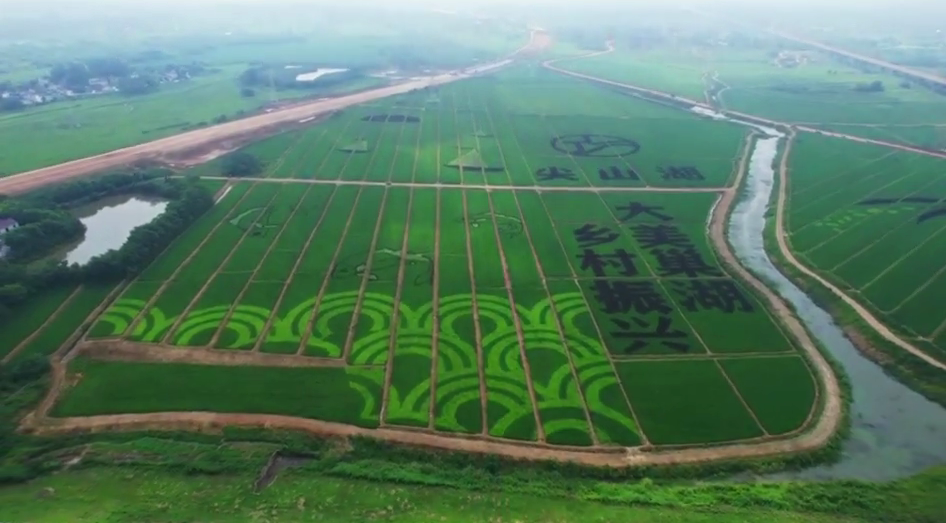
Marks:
<point>872,220</point>
<point>548,287</point>
<point>811,87</point>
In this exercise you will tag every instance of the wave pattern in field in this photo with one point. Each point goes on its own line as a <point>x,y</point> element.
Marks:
<point>459,383</point>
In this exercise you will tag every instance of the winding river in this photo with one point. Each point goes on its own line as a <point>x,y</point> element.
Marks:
<point>895,432</point>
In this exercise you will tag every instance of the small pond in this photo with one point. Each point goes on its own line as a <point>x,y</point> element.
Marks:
<point>108,224</point>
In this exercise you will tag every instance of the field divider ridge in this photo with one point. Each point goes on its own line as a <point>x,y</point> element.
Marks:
<point>203,288</point>
<point>52,317</point>
<point>338,249</point>
<point>435,311</point>
<point>369,261</point>
<point>480,364</point>
<point>269,248</point>
<point>295,268</point>
<point>359,302</point>
<point>396,315</point>
<point>548,293</point>
<point>320,294</point>
<point>395,319</point>
<point>305,246</point>
<point>600,335</point>
<point>134,323</point>
<point>59,359</point>
<point>784,248</point>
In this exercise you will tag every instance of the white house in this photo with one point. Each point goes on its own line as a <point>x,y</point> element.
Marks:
<point>6,224</point>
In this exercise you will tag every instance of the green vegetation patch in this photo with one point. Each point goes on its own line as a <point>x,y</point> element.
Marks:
<point>685,401</point>
<point>780,390</point>
<point>124,311</point>
<point>23,322</point>
<point>70,319</point>
<point>204,319</point>
<point>333,394</point>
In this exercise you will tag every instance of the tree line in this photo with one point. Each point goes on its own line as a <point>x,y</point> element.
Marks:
<point>23,278</point>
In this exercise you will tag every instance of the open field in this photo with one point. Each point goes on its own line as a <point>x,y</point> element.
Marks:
<point>819,91</point>
<point>871,220</point>
<point>563,317</point>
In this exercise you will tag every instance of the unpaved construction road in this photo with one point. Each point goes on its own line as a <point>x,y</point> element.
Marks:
<point>252,126</point>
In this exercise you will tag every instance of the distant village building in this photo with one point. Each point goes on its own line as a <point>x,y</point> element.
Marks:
<point>6,225</point>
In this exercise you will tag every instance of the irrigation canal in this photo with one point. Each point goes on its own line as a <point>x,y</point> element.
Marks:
<point>895,432</point>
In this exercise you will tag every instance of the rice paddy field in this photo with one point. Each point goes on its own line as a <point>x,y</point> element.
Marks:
<point>521,256</point>
<point>873,220</point>
<point>818,90</point>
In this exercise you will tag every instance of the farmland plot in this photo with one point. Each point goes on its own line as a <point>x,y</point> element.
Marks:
<point>872,221</point>
<point>535,294</point>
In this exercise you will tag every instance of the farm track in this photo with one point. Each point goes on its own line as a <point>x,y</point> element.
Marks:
<point>786,251</point>
<point>438,185</point>
<point>236,247</point>
<point>120,350</point>
<point>478,333</point>
<point>861,311</point>
<point>594,321</point>
<point>245,129</point>
<point>52,317</point>
<point>167,338</point>
<point>184,263</point>
<point>435,312</point>
<point>545,286</point>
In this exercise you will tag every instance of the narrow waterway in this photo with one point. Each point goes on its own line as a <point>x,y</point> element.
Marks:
<point>895,432</point>
<point>108,223</point>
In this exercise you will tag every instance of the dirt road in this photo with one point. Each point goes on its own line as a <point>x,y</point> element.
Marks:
<point>906,71</point>
<point>550,64</point>
<point>438,185</point>
<point>253,125</point>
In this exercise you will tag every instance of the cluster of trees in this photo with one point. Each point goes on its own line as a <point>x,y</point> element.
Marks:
<point>40,231</point>
<point>76,75</point>
<point>148,241</point>
<point>873,87</point>
<point>241,164</point>
<point>11,104</point>
<point>19,282</point>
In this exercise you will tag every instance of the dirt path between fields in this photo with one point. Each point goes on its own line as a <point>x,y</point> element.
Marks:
<point>438,185</point>
<point>52,317</point>
<point>121,350</point>
<point>549,64</point>
<point>861,311</point>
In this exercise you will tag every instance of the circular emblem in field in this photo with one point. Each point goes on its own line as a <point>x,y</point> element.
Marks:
<point>393,118</point>
<point>595,145</point>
